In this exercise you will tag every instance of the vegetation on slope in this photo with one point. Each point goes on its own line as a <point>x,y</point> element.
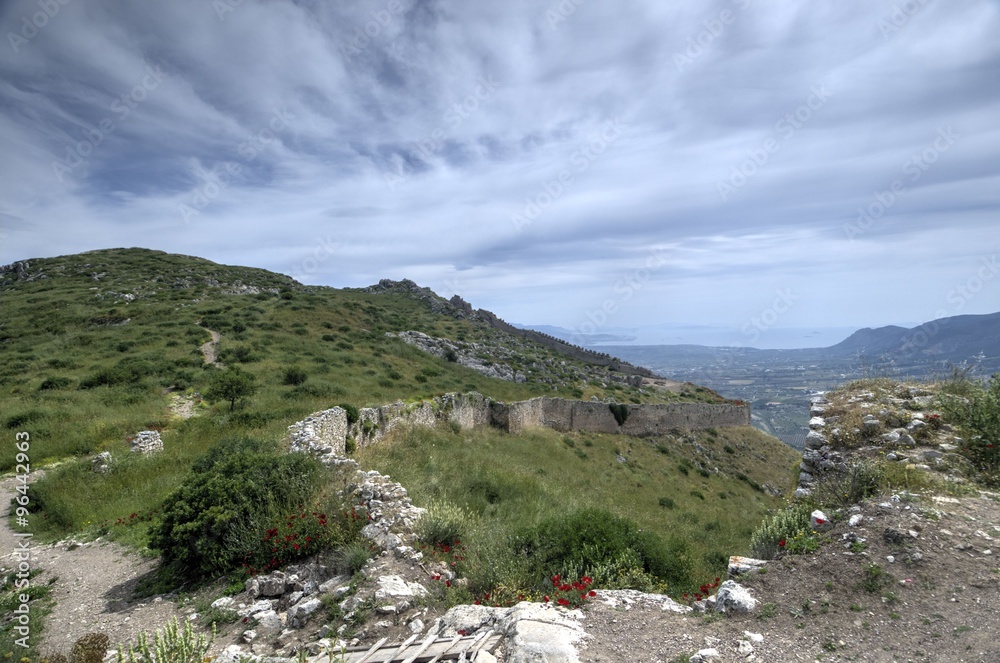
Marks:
<point>95,346</point>
<point>92,347</point>
<point>699,495</point>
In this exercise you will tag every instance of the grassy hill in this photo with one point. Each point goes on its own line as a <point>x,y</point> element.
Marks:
<point>95,347</point>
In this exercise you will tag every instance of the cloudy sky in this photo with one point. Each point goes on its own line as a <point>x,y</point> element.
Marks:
<point>768,169</point>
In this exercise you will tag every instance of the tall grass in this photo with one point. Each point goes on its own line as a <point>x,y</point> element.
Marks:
<point>506,485</point>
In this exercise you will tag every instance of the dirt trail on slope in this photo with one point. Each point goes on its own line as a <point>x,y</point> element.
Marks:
<point>93,586</point>
<point>208,350</point>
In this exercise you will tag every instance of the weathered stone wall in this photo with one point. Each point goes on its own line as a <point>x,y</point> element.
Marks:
<point>642,420</point>
<point>321,434</point>
<point>325,433</point>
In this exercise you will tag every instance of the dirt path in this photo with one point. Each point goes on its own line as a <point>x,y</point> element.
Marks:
<point>93,586</point>
<point>183,406</point>
<point>208,350</point>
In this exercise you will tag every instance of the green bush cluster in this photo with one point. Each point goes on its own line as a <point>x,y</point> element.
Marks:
<point>862,479</point>
<point>782,526</point>
<point>235,489</point>
<point>978,415</point>
<point>599,544</point>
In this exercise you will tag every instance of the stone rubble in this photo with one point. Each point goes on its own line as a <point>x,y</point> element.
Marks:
<point>147,442</point>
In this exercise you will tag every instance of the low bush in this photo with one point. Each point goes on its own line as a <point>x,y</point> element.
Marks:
<point>599,544</point>
<point>782,526</point>
<point>230,499</point>
<point>443,524</point>
<point>352,412</point>
<point>978,415</point>
<point>860,480</point>
<point>294,376</point>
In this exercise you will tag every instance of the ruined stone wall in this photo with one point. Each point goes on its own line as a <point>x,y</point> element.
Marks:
<point>321,434</point>
<point>325,433</point>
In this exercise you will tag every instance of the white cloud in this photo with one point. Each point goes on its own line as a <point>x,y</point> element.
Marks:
<point>376,170</point>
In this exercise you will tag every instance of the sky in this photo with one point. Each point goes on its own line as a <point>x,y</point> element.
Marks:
<point>774,172</point>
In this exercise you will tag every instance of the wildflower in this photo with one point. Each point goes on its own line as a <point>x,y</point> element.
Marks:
<point>591,593</point>
<point>781,543</point>
<point>563,602</point>
<point>546,598</point>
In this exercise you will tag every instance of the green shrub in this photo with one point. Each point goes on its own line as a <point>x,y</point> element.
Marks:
<point>782,526</point>
<point>978,415</point>
<point>352,557</point>
<point>443,524</point>
<point>860,480</point>
<point>294,376</point>
<point>55,383</point>
<point>233,493</point>
<point>667,503</point>
<point>231,384</point>
<point>171,644</point>
<point>592,542</point>
<point>352,412</point>
<point>620,412</point>
<point>21,419</point>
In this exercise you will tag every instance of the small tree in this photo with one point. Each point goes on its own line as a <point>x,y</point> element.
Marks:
<point>231,385</point>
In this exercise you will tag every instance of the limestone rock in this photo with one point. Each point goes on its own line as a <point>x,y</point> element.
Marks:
<point>703,655</point>
<point>147,442</point>
<point>224,603</point>
<point>742,565</point>
<point>628,598</point>
<point>732,597</point>
<point>101,463</point>
<point>470,619</point>
<point>300,612</point>
<point>539,632</point>
<point>815,440</point>
<point>394,588</point>
<point>272,584</point>
<point>269,623</point>
<point>820,521</point>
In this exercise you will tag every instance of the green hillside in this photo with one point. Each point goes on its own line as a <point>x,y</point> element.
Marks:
<point>97,346</point>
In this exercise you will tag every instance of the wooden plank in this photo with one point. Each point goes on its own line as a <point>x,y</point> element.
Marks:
<point>474,642</point>
<point>422,648</point>
<point>402,648</point>
<point>374,648</point>
<point>446,649</point>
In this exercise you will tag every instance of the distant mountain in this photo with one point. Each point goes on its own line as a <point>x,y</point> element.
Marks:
<point>956,338</point>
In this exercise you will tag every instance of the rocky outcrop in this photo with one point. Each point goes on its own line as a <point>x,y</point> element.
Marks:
<point>470,355</point>
<point>887,423</point>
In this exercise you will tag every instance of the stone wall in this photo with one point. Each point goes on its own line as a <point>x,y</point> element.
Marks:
<point>322,434</point>
<point>325,433</point>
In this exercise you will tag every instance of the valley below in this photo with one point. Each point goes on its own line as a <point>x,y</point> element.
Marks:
<point>779,383</point>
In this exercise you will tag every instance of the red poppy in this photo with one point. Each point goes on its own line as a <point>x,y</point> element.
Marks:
<point>781,543</point>
<point>592,593</point>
